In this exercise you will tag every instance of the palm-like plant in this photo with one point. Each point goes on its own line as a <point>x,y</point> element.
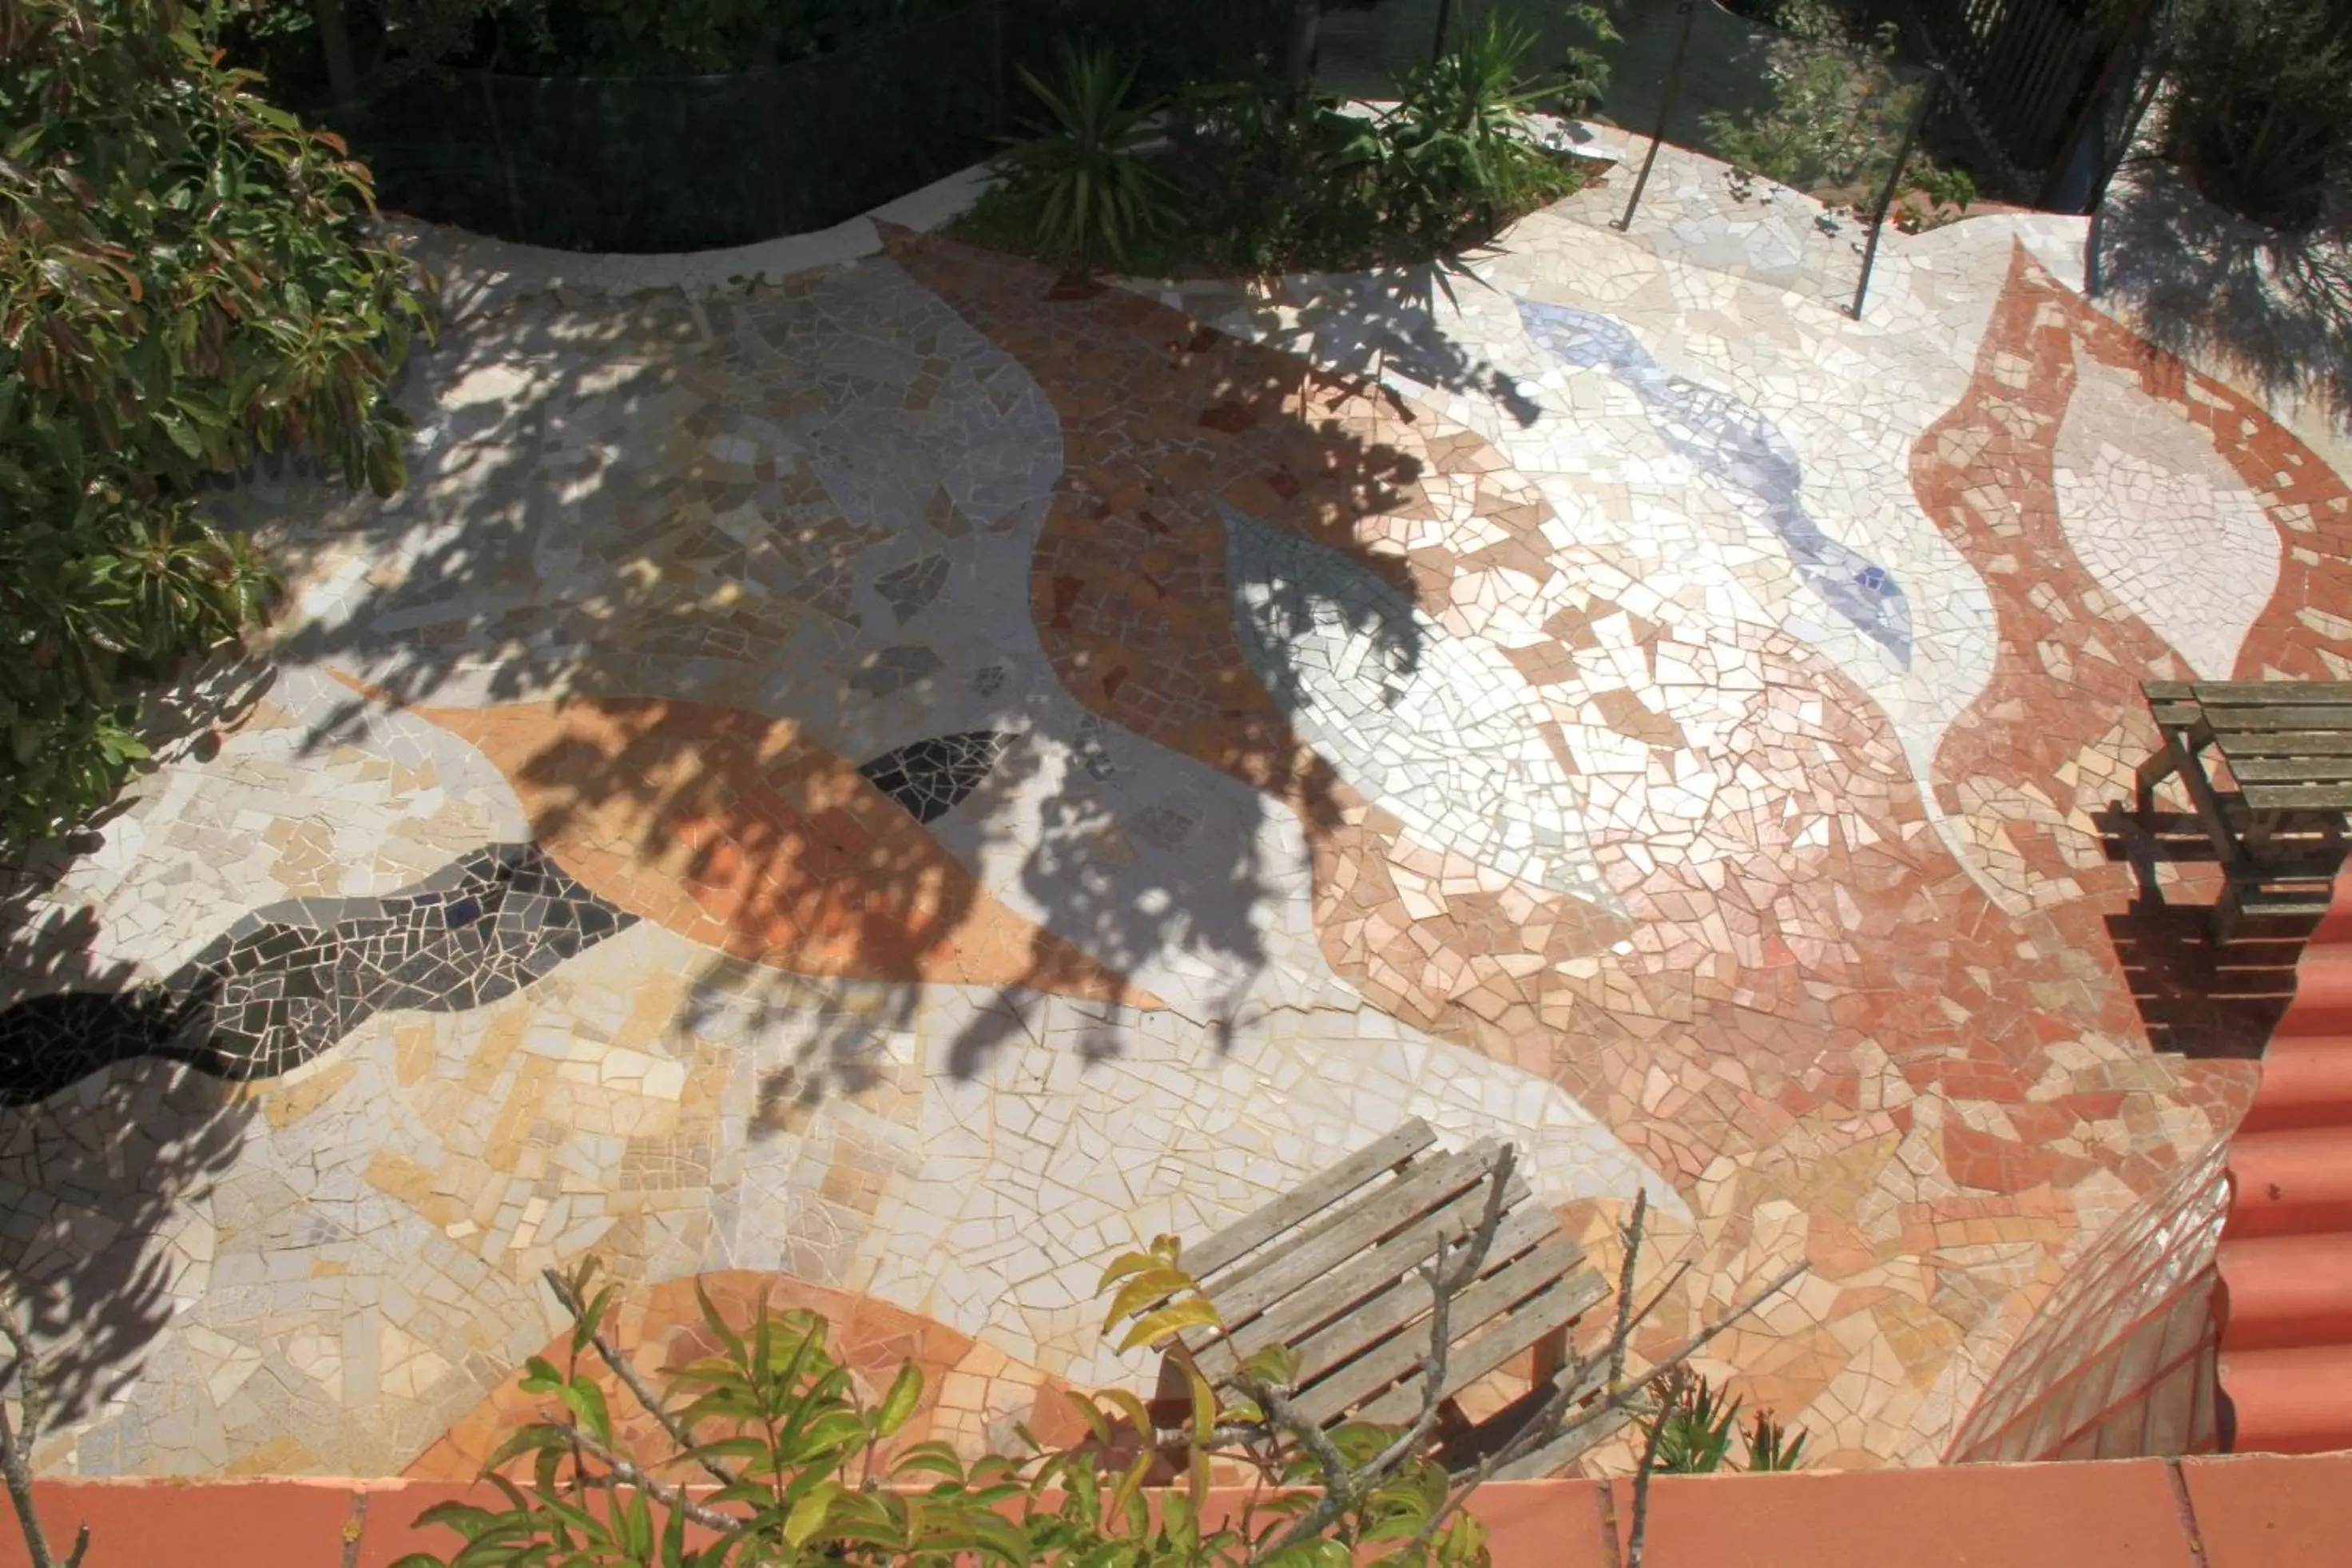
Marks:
<point>1459,139</point>
<point>1084,174</point>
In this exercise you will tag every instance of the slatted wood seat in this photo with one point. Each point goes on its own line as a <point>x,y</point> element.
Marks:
<point>1333,1269</point>
<point>2279,834</point>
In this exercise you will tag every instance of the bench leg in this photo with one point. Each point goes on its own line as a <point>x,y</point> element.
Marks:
<point>2227,911</point>
<point>2150,774</point>
<point>1551,1355</point>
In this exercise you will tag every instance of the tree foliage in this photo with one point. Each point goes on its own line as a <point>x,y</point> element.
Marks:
<point>184,287</point>
<point>2260,106</point>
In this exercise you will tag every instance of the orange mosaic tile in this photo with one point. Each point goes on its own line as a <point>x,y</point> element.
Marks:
<point>738,832</point>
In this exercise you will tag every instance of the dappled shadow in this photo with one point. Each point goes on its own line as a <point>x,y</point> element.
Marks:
<point>2270,311</point>
<point>107,1231</point>
<point>1368,325</point>
<point>680,565</point>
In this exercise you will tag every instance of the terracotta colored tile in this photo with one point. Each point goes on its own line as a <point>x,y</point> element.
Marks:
<point>2029,1515</point>
<point>205,1524</point>
<point>2271,1510</point>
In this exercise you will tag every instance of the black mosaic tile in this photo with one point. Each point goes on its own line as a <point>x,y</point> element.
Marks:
<point>929,777</point>
<point>274,992</point>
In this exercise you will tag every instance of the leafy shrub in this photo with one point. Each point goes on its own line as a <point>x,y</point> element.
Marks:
<point>1691,1432</point>
<point>1458,152</point>
<point>182,288</point>
<point>805,1473</point>
<point>1583,71</point>
<point>2260,108</point>
<point>1082,180</point>
<point>1836,119</point>
<point>1255,178</point>
<point>1271,184</point>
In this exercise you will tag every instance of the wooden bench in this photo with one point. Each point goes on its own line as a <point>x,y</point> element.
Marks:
<point>2279,837</point>
<point>1334,1270</point>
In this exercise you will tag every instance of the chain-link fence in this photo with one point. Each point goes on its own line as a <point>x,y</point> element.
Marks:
<point>660,163</point>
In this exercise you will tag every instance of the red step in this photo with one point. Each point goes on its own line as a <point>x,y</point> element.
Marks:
<point>2296,1180</point>
<point>2289,1401</point>
<point>2306,1082</point>
<point>2281,1292</point>
<point>2322,992</point>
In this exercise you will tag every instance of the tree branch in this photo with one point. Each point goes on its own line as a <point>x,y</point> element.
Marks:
<point>1546,1424</point>
<point>1632,1235</point>
<point>1643,1470</point>
<point>675,1497</point>
<point>636,1384</point>
<point>13,1464</point>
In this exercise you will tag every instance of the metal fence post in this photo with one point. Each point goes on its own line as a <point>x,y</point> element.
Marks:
<point>1665,107</point>
<point>1894,178</point>
<point>1437,44</point>
<point>997,84</point>
<point>506,159</point>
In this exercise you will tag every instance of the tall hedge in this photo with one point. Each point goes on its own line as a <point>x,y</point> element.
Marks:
<point>184,285</point>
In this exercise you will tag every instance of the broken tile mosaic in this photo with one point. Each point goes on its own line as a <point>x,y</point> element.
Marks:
<point>289,980</point>
<point>930,777</point>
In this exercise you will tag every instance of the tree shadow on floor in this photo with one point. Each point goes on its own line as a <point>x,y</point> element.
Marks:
<point>676,517</point>
<point>107,1228</point>
<point>2271,311</point>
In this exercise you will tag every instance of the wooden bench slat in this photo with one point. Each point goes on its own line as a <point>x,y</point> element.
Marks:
<point>1231,1281</point>
<point>1302,1202</point>
<point>1399,1298</point>
<point>1540,1464</point>
<point>2240,743</point>
<point>1361,1278</point>
<point>1469,1359</point>
<point>1365,1276</point>
<point>2298,797</point>
<point>1374,1218</point>
<point>2169,691</point>
<point>2235,693</point>
<point>2285,715</point>
<point>2290,769</point>
<point>1502,1299</point>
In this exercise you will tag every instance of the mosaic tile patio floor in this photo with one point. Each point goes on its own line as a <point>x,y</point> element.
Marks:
<point>901,784</point>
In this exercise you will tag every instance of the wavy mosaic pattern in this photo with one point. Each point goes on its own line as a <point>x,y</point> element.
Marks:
<point>739,832</point>
<point>291,979</point>
<point>1442,730</point>
<point>2055,734</point>
<point>1742,452</point>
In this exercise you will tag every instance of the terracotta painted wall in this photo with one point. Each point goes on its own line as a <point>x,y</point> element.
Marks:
<point>2119,1362</point>
<point>2260,1512</point>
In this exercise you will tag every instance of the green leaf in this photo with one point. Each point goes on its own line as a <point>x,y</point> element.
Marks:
<point>586,1401</point>
<point>808,1514</point>
<point>186,439</point>
<point>1170,1321</point>
<point>898,1405</point>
